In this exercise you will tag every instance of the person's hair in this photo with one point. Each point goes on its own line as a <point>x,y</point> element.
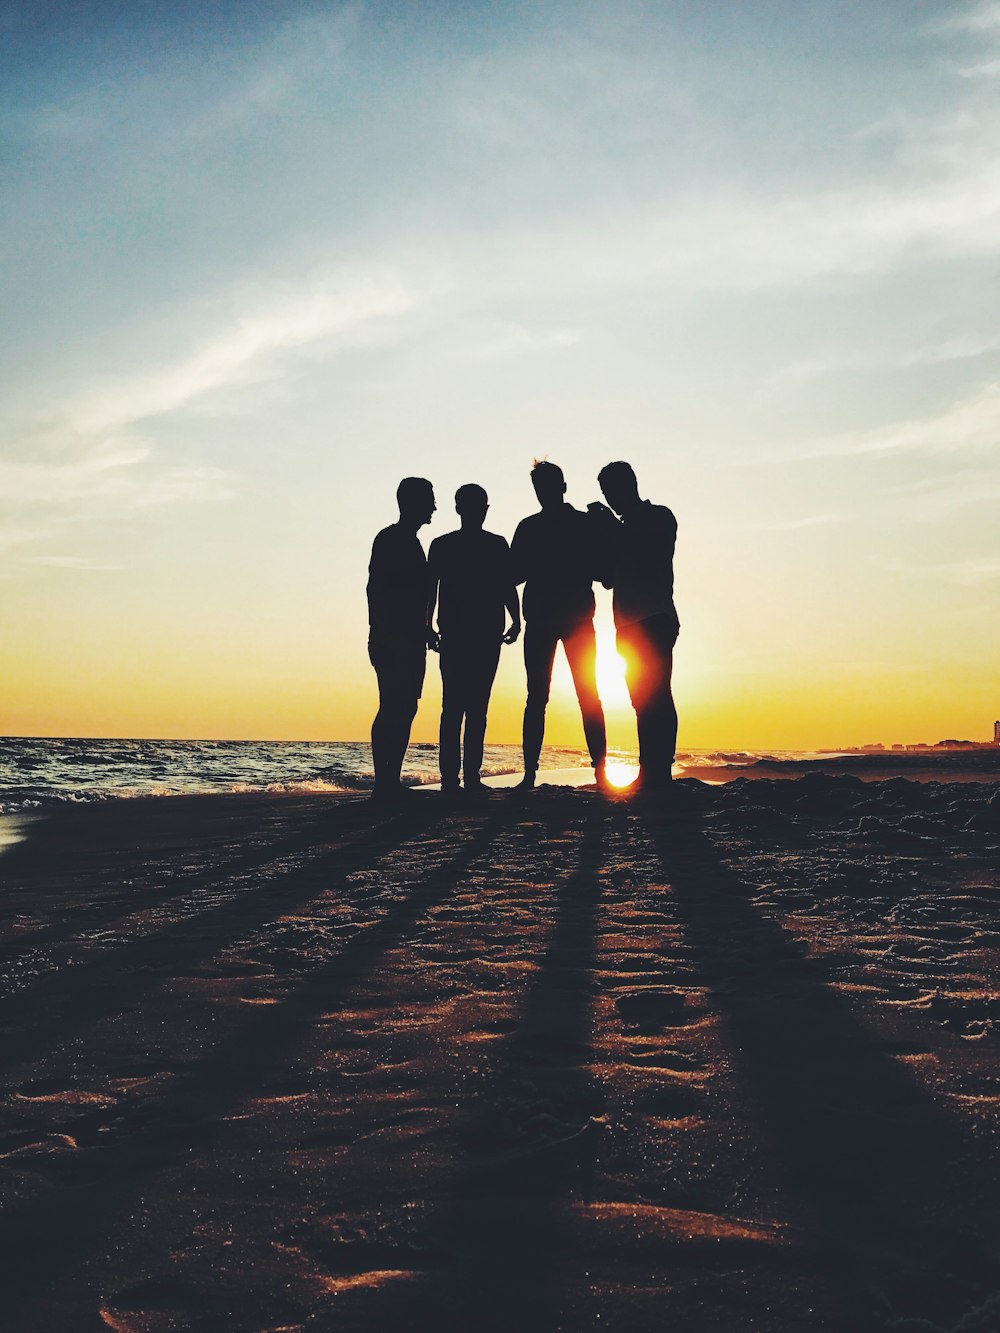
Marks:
<point>470,495</point>
<point>543,468</point>
<point>412,490</point>
<point>620,474</point>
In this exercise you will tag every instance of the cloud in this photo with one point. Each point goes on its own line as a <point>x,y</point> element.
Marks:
<point>975,571</point>
<point>235,354</point>
<point>107,472</point>
<point>269,77</point>
<point>517,341</point>
<point>969,426</point>
<point>80,562</point>
<point>976,18</point>
<point>796,524</point>
<point>95,458</point>
<point>988,69</point>
<point>880,359</point>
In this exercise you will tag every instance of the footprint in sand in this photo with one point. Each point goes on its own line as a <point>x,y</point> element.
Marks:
<point>655,1059</point>
<point>648,1011</point>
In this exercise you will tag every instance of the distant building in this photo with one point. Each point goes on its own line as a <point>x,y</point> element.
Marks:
<point>996,733</point>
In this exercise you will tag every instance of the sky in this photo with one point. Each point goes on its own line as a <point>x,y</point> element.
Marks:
<point>261,261</point>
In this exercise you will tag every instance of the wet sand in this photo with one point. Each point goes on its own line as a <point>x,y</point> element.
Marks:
<point>553,1061</point>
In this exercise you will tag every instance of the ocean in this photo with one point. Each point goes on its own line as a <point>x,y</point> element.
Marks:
<point>40,772</point>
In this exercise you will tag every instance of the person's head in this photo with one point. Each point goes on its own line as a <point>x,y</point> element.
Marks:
<point>415,497</point>
<point>621,490</point>
<point>471,504</point>
<point>549,483</point>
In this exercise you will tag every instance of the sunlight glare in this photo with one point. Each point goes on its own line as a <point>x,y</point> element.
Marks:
<point>610,672</point>
<point>620,774</point>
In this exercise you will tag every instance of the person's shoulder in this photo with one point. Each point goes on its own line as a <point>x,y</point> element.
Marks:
<point>442,544</point>
<point>528,524</point>
<point>662,514</point>
<point>496,540</point>
<point>582,521</point>
<point>385,540</point>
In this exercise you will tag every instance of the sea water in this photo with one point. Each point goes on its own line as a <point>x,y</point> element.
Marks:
<point>37,772</point>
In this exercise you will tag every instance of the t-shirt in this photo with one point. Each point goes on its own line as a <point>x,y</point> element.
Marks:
<point>556,555</point>
<point>476,578</point>
<point>397,586</point>
<point>643,566</point>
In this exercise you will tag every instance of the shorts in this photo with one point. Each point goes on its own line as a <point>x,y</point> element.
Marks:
<point>399,667</point>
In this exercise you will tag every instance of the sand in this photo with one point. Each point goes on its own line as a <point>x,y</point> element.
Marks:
<point>555,1061</point>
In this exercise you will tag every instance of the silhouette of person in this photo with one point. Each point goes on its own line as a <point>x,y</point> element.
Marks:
<point>646,624</point>
<point>471,583</point>
<point>398,631</point>
<point>555,554</point>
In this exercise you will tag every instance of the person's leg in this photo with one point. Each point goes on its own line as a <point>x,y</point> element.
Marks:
<point>400,680</point>
<point>647,650</point>
<point>581,653</point>
<point>631,646</point>
<point>482,672</point>
<point>539,654</point>
<point>661,635</point>
<point>449,752</point>
<point>390,737</point>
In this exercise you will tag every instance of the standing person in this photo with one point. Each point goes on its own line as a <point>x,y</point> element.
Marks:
<point>471,583</point>
<point>398,631</point>
<point>555,554</point>
<point>646,620</point>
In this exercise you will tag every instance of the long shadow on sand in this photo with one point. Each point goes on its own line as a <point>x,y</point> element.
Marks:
<point>60,841</point>
<point>531,1148</point>
<point>116,980</point>
<point>880,1178</point>
<point>44,1239</point>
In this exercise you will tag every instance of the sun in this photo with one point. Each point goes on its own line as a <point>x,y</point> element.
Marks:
<point>610,672</point>
<point>620,774</point>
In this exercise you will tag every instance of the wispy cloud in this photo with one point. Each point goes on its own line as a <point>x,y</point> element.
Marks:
<point>327,309</point>
<point>976,571</point>
<point>880,359</point>
<point>516,341</point>
<point>975,18</point>
<point>971,426</point>
<point>80,562</point>
<point>796,524</point>
<point>107,472</point>
<point>98,456</point>
<point>988,69</point>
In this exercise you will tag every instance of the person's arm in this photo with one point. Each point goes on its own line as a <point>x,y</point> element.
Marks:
<point>433,592</point>
<point>519,554</point>
<point>379,612</point>
<point>511,601</point>
<point>604,541</point>
<point>662,539</point>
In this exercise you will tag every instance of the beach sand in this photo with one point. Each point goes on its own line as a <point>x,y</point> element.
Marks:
<point>726,1061</point>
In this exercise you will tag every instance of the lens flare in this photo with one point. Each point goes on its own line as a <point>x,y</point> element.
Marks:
<point>611,672</point>
<point>620,774</point>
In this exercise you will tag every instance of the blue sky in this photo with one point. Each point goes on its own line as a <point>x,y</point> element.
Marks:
<point>261,260</point>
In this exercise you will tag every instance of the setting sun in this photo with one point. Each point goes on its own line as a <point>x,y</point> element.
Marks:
<point>620,774</point>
